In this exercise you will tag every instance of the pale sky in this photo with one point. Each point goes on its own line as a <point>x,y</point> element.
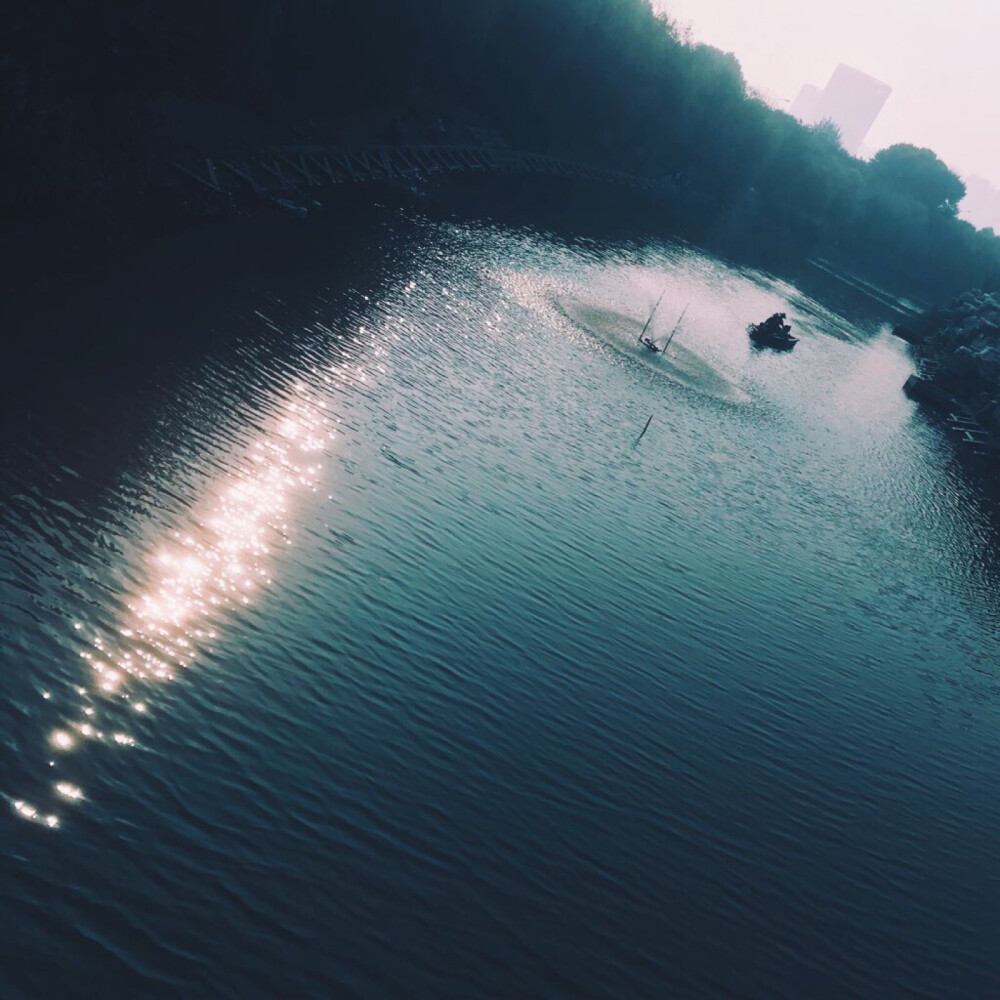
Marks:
<point>941,59</point>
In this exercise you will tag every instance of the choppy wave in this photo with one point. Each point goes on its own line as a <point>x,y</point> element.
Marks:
<point>399,671</point>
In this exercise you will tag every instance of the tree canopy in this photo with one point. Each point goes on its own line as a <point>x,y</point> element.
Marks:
<point>918,173</point>
<point>97,97</point>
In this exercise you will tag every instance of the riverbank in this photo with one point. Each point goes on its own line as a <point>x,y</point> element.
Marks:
<point>958,352</point>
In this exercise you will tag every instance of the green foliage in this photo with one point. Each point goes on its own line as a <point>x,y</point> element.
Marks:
<point>919,173</point>
<point>829,130</point>
<point>94,93</point>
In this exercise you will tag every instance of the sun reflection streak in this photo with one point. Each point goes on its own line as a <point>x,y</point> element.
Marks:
<point>218,561</point>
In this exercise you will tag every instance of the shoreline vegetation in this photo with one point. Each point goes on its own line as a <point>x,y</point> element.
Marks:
<point>101,100</point>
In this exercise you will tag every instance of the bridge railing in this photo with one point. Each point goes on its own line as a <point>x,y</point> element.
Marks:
<point>293,167</point>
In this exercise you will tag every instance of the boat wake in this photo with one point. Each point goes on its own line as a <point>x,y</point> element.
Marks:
<point>680,362</point>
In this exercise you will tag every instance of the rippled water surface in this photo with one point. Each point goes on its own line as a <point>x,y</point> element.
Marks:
<point>374,655</point>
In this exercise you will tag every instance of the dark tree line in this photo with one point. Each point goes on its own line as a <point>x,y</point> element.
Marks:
<point>95,96</point>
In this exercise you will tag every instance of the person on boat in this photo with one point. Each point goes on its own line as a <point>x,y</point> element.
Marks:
<point>775,325</point>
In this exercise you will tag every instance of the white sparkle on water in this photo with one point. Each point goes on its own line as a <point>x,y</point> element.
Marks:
<point>219,560</point>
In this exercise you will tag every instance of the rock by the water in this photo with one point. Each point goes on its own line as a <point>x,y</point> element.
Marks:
<point>961,343</point>
<point>925,391</point>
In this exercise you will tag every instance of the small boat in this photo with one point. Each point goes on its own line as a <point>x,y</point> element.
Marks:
<point>774,332</point>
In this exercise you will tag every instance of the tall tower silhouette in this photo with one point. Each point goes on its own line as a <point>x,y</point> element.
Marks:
<point>851,99</point>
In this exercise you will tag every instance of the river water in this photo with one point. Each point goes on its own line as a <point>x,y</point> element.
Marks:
<point>374,655</point>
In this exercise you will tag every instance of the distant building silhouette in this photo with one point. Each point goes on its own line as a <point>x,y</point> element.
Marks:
<point>807,105</point>
<point>851,99</point>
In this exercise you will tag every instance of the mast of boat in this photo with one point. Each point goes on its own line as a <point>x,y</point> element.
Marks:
<point>650,320</point>
<point>675,329</point>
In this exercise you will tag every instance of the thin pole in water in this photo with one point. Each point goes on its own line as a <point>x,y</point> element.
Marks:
<point>676,327</point>
<point>646,428</point>
<point>650,320</point>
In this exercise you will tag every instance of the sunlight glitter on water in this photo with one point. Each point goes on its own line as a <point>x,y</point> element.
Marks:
<point>29,812</point>
<point>218,560</point>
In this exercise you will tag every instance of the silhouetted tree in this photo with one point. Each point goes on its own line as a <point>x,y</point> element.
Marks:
<point>919,173</point>
<point>828,129</point>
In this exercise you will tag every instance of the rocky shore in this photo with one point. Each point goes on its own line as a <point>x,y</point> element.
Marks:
<point>958,350</point>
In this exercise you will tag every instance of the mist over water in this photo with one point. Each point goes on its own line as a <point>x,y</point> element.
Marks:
<point>375,657</point>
